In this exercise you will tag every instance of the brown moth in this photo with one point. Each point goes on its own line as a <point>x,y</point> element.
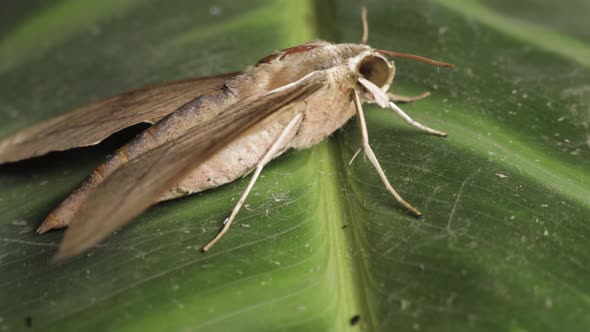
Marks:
<point>210,131</point>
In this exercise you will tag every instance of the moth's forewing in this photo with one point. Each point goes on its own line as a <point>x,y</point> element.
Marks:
<point>90,124</point>
<point>138,184</point>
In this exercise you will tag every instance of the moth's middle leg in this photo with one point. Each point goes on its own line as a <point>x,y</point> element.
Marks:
<point>266,158</point>
<point>371,155</point>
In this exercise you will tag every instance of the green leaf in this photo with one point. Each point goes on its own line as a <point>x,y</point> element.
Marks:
<point>503,243</point>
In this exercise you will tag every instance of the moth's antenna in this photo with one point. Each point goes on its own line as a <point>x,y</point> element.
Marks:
<point>365,25</point>
<point>417,58</point>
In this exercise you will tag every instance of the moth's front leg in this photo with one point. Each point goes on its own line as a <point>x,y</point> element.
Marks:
<point>413,123</point>
<point>384,100</point>
<point>266,158</point>
<point>371,155</point>
<point>408,99</point>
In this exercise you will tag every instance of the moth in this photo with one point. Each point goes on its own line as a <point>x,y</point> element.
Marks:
<point>210,131</point>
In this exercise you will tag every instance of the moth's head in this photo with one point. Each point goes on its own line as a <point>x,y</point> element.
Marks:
<point>374,67</point>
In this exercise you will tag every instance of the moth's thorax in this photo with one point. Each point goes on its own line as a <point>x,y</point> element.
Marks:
<point>343,62</point>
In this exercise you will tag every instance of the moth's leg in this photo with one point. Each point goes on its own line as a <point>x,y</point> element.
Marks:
<point>413,123</point>
<point>408,99</point>
<point>383,99</point>
<point>371,155</point>
<point>354,156</point>
<point>266,158</point>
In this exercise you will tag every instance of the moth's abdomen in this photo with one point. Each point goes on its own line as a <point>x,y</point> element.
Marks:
<point>331,107</point>
<point>63,214</point>
<point>235,160</point>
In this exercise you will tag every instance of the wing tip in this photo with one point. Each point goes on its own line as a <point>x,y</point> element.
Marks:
<point>61,255</point>
<point>72,244</point>
<point>66,252</point>
<point>59,258</point>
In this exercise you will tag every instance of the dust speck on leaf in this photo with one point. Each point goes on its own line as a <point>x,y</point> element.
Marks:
<point>215,10</point>
<point>404,304</point>
<point>548,303</point>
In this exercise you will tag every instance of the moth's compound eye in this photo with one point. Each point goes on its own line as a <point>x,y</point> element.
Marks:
<point>376,69</point>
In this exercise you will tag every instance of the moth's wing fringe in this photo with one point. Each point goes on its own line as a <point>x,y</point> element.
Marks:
<point>90,124</point>
<point>136,185</point>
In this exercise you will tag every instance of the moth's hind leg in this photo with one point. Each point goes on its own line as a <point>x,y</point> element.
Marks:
<point>266,158</point>
<point>371,155</point>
